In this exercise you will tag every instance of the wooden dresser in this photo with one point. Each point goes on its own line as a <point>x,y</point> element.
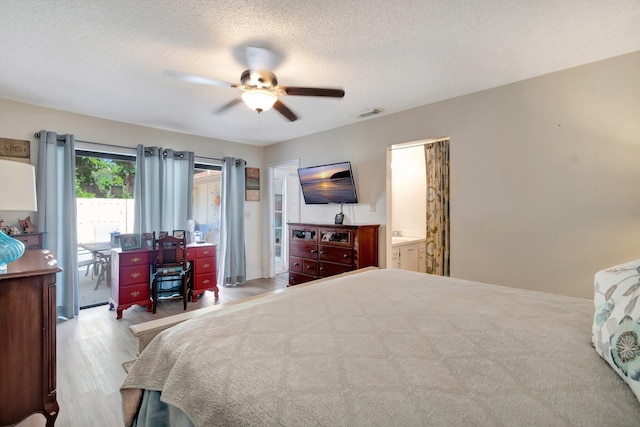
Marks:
<point>323,250</point>
<point>31,240</point>
<point>28,325</point>
<point>130,274</point>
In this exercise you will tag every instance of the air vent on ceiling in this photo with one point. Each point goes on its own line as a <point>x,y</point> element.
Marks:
<point>371,112</point>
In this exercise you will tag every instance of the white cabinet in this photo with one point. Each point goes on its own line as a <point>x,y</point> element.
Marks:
<point>395,257</point>
<point>409,255</point>
<point>422,257</point>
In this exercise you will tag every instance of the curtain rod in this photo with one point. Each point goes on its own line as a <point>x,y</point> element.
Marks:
<point>37,135</point>
<point>61,137</point>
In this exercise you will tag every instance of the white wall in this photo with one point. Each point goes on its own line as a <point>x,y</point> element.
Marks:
<point>544,174</point>
<point>409,189</point>
<point>21,121</point>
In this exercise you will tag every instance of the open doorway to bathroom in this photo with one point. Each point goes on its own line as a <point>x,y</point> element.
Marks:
<point>418,176</point>
<point>284,207</point>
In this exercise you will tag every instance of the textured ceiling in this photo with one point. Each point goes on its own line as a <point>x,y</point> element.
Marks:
<point>106,58</point>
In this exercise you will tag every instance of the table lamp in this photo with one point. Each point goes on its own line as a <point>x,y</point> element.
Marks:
<point>17,193</point>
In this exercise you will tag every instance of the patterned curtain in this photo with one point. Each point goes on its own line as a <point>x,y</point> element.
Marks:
<point>437,166</point>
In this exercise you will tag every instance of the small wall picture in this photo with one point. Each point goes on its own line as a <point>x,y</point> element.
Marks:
<point>179,234</point>
<point>163,234</point>
<point>146,240</point>
<point>252,184</point>
<point>129,241</point>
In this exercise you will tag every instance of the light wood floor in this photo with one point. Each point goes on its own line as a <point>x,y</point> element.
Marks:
<point>92,347</point>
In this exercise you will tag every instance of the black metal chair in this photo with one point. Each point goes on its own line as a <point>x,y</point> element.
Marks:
<point>170,270</point>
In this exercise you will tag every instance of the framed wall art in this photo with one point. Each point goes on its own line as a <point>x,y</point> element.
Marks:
<point>252,184</point>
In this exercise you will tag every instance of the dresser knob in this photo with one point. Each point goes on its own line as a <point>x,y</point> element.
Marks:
<point>345,255</point>
<point>295,264</point>
<point>322,252</point>
<point>135,275</point>
<point>206,265</point>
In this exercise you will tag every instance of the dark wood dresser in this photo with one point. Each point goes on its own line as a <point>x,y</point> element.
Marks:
<point>31,240</point>
<point>323,250</point>
<point>28,325</point>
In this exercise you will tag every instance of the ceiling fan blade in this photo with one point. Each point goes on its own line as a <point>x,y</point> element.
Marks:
<point>311,91</point>
<point>197,79</point>
<point>285,111</point>
<point>227,106</point>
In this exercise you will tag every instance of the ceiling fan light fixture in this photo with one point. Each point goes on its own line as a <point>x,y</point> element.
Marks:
<point>259,99</point>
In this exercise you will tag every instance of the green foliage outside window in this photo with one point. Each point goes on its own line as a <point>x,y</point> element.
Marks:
<point>96,177</point>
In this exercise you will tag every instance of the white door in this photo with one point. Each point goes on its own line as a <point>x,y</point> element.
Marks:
<point>284,188</point>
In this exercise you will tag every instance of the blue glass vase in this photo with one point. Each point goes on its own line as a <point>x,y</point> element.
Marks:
<point>10,250</point>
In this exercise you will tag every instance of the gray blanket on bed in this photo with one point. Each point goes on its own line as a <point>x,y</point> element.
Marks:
<point>387,347</point>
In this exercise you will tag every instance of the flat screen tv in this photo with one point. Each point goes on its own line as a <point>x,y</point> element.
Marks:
<point>328,184</point>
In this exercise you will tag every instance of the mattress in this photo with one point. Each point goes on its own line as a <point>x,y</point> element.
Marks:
<point>383,347</point>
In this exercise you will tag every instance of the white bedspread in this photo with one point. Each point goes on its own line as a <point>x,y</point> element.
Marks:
<point>388,347</point>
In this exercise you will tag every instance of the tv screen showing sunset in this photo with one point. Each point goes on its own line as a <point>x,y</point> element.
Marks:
<point>328,184</point>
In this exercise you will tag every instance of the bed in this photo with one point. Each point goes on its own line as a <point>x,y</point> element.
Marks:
<point>382,347</point>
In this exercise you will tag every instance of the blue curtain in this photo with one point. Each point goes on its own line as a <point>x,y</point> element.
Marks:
<point>56,188</point>
<point>163,189</point>
<point>232,266</point>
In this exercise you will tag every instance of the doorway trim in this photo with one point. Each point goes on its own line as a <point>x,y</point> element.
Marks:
<point>270,262</point>
<point>390,149</point>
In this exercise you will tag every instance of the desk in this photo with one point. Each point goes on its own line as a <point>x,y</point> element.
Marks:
<point>101,253</point>
<point>130,275</point>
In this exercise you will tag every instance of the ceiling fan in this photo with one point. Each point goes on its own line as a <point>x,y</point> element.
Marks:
<point>259,86</point>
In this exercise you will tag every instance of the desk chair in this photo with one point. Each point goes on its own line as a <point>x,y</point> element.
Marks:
<point>169,265</point>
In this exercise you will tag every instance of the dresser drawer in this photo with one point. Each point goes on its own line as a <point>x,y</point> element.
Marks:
<point>297,278</point>
<point>133,294</point>
<point>335,254</point>
<point>134,275</point>
<point>310,267</point>
<point>295,264</point>
<point>304,249</point>
<point>31,241</point>
<point>326,269</point>
<point>135,258</point>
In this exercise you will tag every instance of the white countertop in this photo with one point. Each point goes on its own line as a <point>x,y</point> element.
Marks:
<point>404,240</point>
